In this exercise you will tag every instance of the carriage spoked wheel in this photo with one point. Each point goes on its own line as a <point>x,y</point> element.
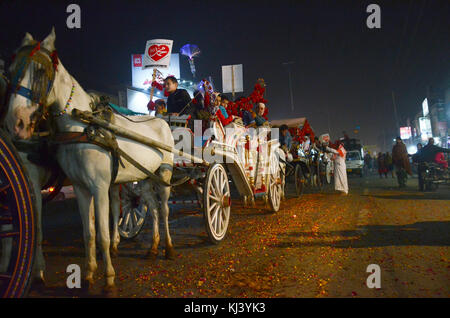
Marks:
<point>132,212</point>
<point>17,223</point>
<point>300,180</point>
<point>275,185</point>
<point>283,185</point>
<point>216,203</point>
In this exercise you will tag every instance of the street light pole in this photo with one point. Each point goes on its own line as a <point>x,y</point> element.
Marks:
<point>290,83</point>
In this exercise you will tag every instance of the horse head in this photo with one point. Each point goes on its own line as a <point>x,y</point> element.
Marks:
<point>31,90</point>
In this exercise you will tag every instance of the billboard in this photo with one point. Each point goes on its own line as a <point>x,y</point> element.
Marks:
<point>425,128</point>
<point>405,132</point>
<point>232,79</point>
<point>142,78</point>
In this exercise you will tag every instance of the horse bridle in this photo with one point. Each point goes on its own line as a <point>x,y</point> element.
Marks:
<point>48,60</point>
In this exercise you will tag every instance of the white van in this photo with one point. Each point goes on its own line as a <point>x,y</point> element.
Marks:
<point>354,162</point>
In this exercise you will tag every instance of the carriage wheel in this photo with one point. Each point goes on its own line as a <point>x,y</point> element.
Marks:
<point>275,188</point>
<point>132,212</point>
<point>299,180</point>
<point>216,203</point>
<point>17,223</point>
<point>283,183</point>
<point>308,175</point>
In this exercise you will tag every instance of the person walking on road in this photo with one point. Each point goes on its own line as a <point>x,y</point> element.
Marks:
<point>389,165</point>
<point>400,160</point>
<point>381,165</point>
<point>367,163</point>
<point>340,169</point>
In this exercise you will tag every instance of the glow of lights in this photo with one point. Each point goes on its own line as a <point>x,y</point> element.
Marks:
<point>437,141</point>
<point>412,149</point>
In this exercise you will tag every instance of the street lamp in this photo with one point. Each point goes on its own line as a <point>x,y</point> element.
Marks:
<point>290,82</point>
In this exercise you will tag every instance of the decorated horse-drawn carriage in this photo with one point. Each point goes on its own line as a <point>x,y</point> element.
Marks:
<point>249,159</point>
<point>310,166</point>
<point>116,163</point>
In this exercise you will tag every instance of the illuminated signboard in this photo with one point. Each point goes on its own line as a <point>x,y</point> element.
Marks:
<point>142,78</point>
<point>425,107</point>
<point>405,132</point>
<point>425,128</point>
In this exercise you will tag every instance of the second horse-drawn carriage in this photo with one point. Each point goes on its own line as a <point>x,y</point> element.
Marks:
<point>306,162</point>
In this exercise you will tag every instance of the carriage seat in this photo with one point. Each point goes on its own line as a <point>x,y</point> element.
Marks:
<point>177,121</point>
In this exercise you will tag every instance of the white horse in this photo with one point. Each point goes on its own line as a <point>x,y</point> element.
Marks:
<point>90,167</point>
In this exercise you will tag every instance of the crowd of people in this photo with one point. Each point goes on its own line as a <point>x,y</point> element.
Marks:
<point>399,161</point>
<point>250,112</point>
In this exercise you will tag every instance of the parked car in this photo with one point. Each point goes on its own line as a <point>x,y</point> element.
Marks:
<point>354,162</point>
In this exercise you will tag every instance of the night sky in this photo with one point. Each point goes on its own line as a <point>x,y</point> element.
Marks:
<point>343,70</point>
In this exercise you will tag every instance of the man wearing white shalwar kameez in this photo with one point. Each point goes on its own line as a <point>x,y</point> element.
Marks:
<point>340,169</point>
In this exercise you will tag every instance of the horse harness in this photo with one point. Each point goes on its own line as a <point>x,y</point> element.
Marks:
<point>39,92</point>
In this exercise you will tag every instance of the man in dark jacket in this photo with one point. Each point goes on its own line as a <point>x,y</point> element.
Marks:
<point>426,154</point>
<point>429,152</point>
<point>178,99</point>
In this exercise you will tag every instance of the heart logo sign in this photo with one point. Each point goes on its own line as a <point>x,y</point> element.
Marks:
<point>158,52</point>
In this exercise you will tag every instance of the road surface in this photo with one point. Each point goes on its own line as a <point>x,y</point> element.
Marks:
<point>318,245</point>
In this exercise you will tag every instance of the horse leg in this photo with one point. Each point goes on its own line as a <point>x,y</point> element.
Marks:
<point>101,203</point>
<point>87,213</point>
<point>150,200</point>
<point>164,194</point>
<point>153,252</point>
<point>115,210</point>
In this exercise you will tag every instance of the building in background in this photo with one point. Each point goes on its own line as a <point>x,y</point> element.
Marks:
<point>432,121</point>
<point>138,94</point>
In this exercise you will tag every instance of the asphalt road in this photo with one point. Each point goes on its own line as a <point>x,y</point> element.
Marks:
<point>319,245</point>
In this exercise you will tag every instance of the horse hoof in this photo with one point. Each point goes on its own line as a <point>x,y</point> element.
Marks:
<point>151,255</point>
<point>110,291</point>
<point>114,252</point>
<point>170,253</point>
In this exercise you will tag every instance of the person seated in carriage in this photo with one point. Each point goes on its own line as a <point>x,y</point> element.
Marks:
<point>260,117</point>
<point>285,138</point>
<point>222,112</point>
<point>160,108</point>
<point>286,141</point>
<point>307,142</point>
<point>178,99</point>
